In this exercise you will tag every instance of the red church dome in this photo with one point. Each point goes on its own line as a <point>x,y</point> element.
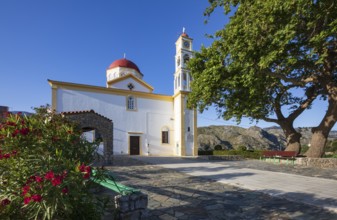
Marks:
<point>124,63</point>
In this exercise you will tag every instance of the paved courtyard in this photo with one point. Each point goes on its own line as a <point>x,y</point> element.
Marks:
<point>182,188</point>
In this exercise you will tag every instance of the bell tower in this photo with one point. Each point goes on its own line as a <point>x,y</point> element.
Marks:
<point>185,126</point>
<point>184,52</point>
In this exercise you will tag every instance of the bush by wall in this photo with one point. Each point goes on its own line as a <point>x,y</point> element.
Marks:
<point>251,154</point>
<point>45,169</point>
<point>256,154</point>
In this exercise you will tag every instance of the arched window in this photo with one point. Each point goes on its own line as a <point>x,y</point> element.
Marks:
<point>186,58</point>
<point>184,80</point>
<point>131,103</point>
<point>165,135</point>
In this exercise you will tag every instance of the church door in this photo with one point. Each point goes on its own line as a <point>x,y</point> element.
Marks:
<point>134,145</point>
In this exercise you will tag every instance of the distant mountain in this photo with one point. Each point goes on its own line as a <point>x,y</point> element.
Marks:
<point>231,137</point>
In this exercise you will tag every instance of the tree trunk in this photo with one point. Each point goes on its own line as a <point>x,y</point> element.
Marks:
<point>320,134</point>
<point>318,141</point>
<point>293,142</point>
<point>292,136</point>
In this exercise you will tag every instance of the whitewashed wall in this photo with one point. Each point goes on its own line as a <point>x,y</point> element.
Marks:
<point>177,125</point>
<point>146,122</point>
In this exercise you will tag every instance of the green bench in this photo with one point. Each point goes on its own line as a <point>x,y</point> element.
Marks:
<point>112,184</point>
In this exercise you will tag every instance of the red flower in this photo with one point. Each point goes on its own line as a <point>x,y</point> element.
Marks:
<point>14,152</point>
<point>49,175</point>
<point>27,200</point>
<point>25,189</point>
<point>38,179</point>
<point>65,190</point>
<point>9,123</point>
<point>57,180</point>
<point>36,198</point>
<point>5,202</point>
<point>15,132</point>
<point>82,167</point>
<point>24,131</point>
<point>88,169</point>
<point>86,176</point>
<point>6,156</point>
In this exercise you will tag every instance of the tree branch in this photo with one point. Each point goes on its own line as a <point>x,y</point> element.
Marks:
<point>311,94</point>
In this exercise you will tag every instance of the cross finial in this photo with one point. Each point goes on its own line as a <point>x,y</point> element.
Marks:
<point>183,29</point>
<point>124,55</point>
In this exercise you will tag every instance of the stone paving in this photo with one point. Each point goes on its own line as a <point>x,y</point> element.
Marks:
<point>175,195</point>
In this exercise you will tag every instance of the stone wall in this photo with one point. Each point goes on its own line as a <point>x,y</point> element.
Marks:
<point>90,119</point>
<point>317,162</point>
<point>132,206</point>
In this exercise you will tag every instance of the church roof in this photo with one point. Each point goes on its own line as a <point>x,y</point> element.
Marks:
<point>124,63</point>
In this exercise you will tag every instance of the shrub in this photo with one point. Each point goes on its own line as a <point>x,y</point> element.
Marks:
<point>241,148</point>
<point>256,154</point>
<point>218,147</point>
<point>304,148</point>
<point>45,169</point>
<point>205,152</point>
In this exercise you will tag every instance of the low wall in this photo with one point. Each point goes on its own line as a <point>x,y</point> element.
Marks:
<point>317,162</point>
<point>124,207</point>
<point>132,206</point>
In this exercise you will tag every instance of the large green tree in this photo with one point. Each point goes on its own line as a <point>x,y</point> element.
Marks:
<point>273,55</point>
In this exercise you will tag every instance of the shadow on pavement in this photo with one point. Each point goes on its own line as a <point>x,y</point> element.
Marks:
<point>175,195</point>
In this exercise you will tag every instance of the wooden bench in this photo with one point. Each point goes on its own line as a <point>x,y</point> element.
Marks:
<point>279,156</point>
<point>112,184</point>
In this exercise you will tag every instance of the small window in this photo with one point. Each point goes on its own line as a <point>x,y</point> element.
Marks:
<point>164,137</point>
<point>131,103</point>
<point>186,58</point>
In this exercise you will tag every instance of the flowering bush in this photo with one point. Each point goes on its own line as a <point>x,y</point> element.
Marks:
<point>45,169</point>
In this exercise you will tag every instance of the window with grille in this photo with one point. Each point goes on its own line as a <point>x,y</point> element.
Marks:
<point>131,103</point>
<point>165,137</point>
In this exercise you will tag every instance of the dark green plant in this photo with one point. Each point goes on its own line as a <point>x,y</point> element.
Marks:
<point>45,169</point>
<point>241,148</point>
<point>304,149</point>
<point>218,147</point>
<point>260,60</point>
<point>256,154</point>
<point>205,152</point>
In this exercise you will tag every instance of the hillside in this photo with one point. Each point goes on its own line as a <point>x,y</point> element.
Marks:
<point>231,137</point>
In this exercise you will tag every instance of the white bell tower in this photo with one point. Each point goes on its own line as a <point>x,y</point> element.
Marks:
<point>185,126</point>
<point>184,53</point>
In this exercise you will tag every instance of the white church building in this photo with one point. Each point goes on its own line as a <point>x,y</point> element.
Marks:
<point>144,123</point>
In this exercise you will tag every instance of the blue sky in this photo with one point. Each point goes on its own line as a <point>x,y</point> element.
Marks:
<point>76,40</point>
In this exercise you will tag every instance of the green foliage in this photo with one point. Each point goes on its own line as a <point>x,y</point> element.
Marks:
<point>304,148</point>
<point>256,154</point>
<point>268,50</point>
<point>241,148</point>
<point>205,152</point>
<point>45,169</point>
<point>218,147</point>
<point>331,146</point>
